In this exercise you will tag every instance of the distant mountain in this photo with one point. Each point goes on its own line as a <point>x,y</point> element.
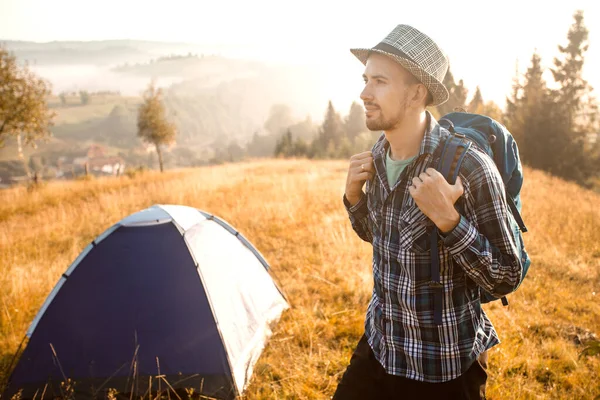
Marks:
<point>216,102</point>
<point>101,53</point>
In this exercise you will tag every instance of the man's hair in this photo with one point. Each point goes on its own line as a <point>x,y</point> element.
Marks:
<point>412,80</point>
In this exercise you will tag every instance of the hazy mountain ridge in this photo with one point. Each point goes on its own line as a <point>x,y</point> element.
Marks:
<point>105,52</point>
<point>214,101</point>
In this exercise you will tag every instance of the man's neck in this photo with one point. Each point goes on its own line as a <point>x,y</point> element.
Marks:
<point>405,139</point>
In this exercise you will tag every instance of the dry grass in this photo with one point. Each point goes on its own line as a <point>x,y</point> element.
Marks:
<point>292,211</point>
<point>99,106</point>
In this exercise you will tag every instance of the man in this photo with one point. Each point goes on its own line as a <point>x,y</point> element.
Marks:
<point>404,353</point>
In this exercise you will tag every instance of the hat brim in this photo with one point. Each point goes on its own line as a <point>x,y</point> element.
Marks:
<point>436,88</point>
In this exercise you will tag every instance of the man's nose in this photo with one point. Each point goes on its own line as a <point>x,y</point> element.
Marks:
<point>366,95</point>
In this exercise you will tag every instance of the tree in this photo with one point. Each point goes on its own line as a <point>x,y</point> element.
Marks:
<point>476,105</point>
<point>288,147</point>
<point>355,122</point>
<point>492,110</point>
<point>63,99</point>
<point>539,139</point>
<point>285,145</point>
<point>458,95</point>
<point>84,96</point>
<point>304,130</point>
<point>575,111</point>
<point>280,118</point>
<point>513,117</point>
<point>152,123</point>
<point>530,118</point>
<point>235,152</point>
<point>330,134</point>
<point>24,110</point>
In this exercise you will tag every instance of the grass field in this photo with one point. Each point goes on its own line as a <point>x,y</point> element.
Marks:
<point>99,106</point>
<point>292,212</point>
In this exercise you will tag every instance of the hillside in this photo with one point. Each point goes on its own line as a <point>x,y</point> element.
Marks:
<point>292,212</point>
<point>214,101</point>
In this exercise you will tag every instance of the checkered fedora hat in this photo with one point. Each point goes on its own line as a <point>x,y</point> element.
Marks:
<point>416,52</point>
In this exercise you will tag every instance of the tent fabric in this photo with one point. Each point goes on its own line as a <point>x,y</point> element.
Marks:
<point>169,291</point>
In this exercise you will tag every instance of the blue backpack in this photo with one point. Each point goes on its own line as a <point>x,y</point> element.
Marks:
<point>495,140</point>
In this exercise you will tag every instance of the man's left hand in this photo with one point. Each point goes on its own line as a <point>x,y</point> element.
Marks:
<point>435,197</point>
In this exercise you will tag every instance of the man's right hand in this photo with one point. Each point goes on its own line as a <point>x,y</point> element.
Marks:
<point>360,170</point>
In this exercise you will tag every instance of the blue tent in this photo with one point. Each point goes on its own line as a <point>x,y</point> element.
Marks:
<point>170,295</point>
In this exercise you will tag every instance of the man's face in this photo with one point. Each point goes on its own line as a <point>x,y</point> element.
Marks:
<point>386,93</point>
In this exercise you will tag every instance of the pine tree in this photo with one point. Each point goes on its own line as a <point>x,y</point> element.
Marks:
<point>355,122</point>
<point>476,105</point>
<point>448,106</point>
<point>571,101</point>
<point>285,144</point>
<point>333,127</point>
<point>512,118</point>
<point>539,146</point>
<point>458,95</point>
<point>330,135</point>
<point>492,110</point>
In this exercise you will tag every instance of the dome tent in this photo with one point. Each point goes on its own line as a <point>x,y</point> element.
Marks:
<point>169,293</point>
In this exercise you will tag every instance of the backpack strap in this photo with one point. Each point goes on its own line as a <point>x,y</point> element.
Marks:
<point>454,150</point>
<point>515,213</point>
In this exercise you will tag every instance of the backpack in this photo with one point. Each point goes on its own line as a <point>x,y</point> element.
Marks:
<point>494,139</point>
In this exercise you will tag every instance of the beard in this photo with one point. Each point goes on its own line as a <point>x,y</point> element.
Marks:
<point>383,123</point>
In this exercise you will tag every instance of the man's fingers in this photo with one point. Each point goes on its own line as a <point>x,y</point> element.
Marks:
<point>366,158</point>
<point>459,186</point>
<point>360,156</point>
<point>434,173</point>
<point>424,176</point>
<point>364,176</point>
<point>365,164</point>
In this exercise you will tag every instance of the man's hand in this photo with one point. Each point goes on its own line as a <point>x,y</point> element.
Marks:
<point>435,197</point>
<point>360,170</point>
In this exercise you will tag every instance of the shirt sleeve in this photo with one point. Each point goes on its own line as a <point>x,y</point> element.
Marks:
<point>359,218</point>
<point>487,252</point>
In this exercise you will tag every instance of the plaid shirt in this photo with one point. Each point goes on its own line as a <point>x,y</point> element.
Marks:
<point>480,252</point>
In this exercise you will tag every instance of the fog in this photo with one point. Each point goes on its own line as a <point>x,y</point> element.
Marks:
<point>93,78</point>
<point>306,84</point>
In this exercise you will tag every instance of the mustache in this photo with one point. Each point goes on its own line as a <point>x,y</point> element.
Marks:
<point>369,104</point>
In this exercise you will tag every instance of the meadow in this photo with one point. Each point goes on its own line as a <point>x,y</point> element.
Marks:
<point>292,211</point>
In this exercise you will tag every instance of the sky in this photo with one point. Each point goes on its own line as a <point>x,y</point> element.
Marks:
<point>484,40</point>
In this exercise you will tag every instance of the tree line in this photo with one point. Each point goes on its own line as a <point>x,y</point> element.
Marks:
<point>555,124</point>
<point>556,128</point>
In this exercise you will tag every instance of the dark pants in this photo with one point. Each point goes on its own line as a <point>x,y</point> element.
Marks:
<point>365,378</point>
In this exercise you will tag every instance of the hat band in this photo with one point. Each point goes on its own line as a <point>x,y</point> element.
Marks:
<point>391,49</point>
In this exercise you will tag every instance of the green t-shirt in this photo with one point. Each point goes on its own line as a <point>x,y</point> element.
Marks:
<point>394,168</point>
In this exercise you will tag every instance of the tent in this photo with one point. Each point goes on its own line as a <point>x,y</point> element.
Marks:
<point>169,296</point>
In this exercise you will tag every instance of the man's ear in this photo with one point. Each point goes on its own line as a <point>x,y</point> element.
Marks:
<point>420,96</point>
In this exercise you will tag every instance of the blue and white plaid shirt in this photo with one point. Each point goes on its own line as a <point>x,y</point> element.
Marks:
<point>480,252</point>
